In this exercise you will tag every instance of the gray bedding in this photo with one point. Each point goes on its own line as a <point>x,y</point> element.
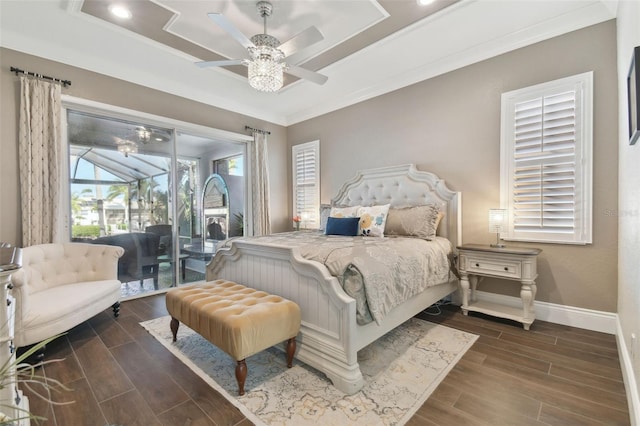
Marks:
<point>379,273</point>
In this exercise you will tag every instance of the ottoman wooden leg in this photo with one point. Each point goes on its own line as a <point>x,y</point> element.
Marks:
<point>174,327</point>
<point>241,375</point>
<point>291,350</point>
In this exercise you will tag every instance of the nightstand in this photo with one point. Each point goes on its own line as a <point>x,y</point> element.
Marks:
<point>476,261</point>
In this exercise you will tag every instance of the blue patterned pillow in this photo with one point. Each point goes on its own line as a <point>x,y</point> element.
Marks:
<point>342,226</point>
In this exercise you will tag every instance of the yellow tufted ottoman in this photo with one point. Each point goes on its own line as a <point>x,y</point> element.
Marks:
<point>237,319</point>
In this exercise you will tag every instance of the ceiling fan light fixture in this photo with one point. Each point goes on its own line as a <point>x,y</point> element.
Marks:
<point>266,75</point>
<point>143,134</point>
<point>267,55</point>
<point>266,66</point>
<point>126,147</point>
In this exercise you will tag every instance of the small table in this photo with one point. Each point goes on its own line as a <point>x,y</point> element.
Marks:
<point>476,261</point>
<point>198,251</point>
<point>181,257</point>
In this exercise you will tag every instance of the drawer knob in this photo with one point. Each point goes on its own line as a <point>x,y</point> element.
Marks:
<point>477,265</point>
<point>506,269</point>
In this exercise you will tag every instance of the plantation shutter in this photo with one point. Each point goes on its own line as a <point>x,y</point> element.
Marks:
<point>547,145</point>
<point>545,163</point>
<point>306,183</point>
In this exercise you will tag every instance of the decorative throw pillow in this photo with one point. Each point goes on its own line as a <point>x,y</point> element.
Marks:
<point>342,226</point>
<point>344,211</point>
<point>419,221</point>
<point>372,220</point>
<point>440,216</point>
<point>325,212</point>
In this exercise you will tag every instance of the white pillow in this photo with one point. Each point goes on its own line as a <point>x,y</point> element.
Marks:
<point>372,220</point>
<point>344,211</point>
<point>325,212</point>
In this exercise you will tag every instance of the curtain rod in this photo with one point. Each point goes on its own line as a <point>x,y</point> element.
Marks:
<point>65,83</point>
<point>264,132</point>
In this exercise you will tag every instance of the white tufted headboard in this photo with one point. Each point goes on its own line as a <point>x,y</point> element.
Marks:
<point>404,186</point>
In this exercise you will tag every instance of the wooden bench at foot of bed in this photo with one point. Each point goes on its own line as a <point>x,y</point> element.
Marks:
<point>239,320</point>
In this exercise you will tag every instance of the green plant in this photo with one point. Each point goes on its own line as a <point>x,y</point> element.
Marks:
<point>26,375</point>
<point>85,231</point>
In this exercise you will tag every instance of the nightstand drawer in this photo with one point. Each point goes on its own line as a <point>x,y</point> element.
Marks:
<point>502,268</point>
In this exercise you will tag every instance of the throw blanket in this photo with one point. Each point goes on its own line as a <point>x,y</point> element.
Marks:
<point>379,273</point>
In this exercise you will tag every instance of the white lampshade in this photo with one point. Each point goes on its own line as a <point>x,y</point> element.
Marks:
<point>497,223</point>
<point>497,220</point>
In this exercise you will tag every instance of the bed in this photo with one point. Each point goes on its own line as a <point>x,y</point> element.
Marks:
<point>330,335</point>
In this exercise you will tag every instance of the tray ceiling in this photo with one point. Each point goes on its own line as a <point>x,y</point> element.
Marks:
<point>370,47</point>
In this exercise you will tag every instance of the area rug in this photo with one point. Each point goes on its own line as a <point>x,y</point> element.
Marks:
<point>400,370</point>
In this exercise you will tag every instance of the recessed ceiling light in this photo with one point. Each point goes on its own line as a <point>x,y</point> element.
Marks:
<point>120,11</point>
<point>424,2</point>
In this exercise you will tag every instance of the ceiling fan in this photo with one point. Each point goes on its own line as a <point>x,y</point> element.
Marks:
<point>133,137</point>
<point>267,55</point>
<point>150,134</point>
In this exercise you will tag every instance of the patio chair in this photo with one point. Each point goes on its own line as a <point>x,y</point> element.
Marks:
<point>140,259</point>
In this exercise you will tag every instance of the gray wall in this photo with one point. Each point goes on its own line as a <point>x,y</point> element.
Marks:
<point>450,125</point>
<point>100,88</point>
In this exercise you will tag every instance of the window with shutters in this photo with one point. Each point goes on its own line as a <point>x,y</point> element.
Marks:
<point>546,150</point>
<point>306,183</point>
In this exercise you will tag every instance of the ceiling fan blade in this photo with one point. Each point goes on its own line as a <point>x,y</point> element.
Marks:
<point>301,40</point>
<point>206,64</point>
<point>307,74</point>
<point>226,25</point>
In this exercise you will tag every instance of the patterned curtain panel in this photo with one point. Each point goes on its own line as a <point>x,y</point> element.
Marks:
<point>39,158</point>
<point>260,185</point>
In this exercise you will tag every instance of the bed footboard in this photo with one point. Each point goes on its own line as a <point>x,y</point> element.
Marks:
<point>327,338</point>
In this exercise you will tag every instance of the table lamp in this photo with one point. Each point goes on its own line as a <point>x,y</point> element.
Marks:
<point>497,223</point>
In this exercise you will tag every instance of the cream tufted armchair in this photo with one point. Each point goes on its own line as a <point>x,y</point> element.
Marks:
<point>62,285</point>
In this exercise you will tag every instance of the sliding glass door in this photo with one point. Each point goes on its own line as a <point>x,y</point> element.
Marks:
<point>140,186</point>
<point>215,201</point>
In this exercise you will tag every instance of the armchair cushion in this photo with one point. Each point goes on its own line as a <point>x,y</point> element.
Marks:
<point>62,285</point>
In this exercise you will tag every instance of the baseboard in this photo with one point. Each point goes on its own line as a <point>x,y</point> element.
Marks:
<point>588,319</point>
<point>630,383</point>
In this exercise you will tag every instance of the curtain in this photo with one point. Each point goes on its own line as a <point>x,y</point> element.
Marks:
<point>260,185</point>
<point>39,158</point>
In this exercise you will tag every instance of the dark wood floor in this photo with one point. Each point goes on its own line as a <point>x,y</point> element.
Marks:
<point>551,375</point>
